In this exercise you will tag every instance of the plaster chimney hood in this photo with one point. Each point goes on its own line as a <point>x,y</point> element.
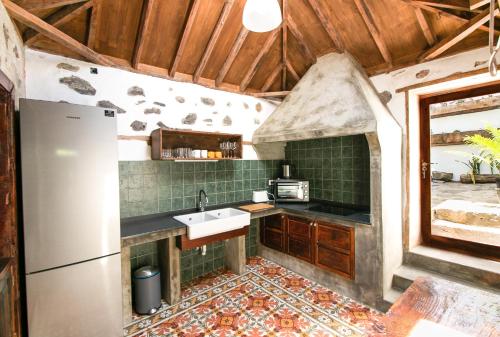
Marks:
<point>334,98</point>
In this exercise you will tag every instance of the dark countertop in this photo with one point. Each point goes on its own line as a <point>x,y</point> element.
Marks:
<point>160,222</point>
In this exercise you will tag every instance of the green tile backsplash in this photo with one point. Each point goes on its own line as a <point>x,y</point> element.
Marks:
<point>338,169</point>
<point>148,187</point>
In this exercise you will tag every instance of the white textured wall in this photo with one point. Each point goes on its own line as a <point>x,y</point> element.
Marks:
<point>11,53</point>
<point>246,113</point>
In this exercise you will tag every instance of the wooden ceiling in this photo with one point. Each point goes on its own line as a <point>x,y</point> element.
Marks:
<point>203,41</point>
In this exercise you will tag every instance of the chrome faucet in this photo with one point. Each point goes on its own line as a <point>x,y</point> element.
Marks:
<point>202,203</point>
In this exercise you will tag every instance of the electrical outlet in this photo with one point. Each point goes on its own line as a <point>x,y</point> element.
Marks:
<point>270,182</point>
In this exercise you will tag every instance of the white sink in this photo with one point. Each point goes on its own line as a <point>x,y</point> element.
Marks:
<point>203,224</point>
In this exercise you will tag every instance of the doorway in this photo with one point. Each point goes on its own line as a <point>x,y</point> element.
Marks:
<point>459,203</point>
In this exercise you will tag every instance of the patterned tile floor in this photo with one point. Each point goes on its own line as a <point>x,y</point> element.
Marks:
<point>268,300</point>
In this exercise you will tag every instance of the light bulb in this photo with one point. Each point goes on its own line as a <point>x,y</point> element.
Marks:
<point>261,15</point>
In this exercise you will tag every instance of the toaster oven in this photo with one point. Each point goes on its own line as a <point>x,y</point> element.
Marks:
<point>289,190</point>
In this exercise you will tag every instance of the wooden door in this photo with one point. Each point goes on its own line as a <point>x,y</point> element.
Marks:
<point>298,238</point>
<point>272,232</point>
<point>8,211</point>
<point>334,247</point>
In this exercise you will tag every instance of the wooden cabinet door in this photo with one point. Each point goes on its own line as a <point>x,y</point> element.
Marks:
<point>298,238</point>
<point>272,232</point>
<point>334,248</point>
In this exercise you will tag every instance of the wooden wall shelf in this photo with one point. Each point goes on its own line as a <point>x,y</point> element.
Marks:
<point>197,140</point>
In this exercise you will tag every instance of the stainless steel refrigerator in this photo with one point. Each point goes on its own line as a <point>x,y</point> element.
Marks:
<point>70,193</point>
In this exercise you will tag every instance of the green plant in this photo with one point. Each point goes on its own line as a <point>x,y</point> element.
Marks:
<point>474,165</point>
<point>489,144</point>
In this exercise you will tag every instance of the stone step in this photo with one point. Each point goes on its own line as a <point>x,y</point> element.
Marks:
<point>470,270</point>
<point>468,213</point>
<point>479,234</point>
<point>405,275</point>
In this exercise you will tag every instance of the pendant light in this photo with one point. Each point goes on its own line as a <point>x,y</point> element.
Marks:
<point>261,15</point>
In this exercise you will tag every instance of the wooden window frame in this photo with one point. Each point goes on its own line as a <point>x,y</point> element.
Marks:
<point>461,246</point>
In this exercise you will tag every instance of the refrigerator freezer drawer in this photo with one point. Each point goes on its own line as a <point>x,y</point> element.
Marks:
<point>81,300</point>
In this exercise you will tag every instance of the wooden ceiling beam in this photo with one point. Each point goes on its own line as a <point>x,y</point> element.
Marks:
<point>444,13</point>
<point>185,35</point>
<point>263,52</point>
<point>476,4</point>
<point>457,36</point>
<point>34,22</point>
<point>228,5</point>
<point>95,16</point>
<point>284,42</point>
<point>271,78</point>
<point>304,47</point>
<point>327,25</point>
<point>459,5</point>
<point>292,71</point>
<point>271,94</point>
<point>46,4</point>
<point>367,16</point>
<point>57,19</point>
<point>144,30</point>
<point>426,27</point>
<point>235,49</point>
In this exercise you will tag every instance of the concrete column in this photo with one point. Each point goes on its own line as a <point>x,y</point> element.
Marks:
<point>170,268</point>
<point>236,255</point>
<point>126,286</point>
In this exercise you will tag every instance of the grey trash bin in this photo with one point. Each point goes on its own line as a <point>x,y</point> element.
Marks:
<point>147,291</point>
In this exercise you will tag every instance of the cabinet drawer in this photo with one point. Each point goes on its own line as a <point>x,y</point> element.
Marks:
<point>274,221</point>
<point>274,239</point>
<point>299,227</point>
<point>333,236</point>
<point>300,248</point>
<point>335,261</point>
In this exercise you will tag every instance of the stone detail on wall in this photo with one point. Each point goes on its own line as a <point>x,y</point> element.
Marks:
<point>68,67</point>
<point>227,121</point>
<point>245,105</point>
<point>79,85</point>
<point>135,91</point>
<point>479,63</point>
<point>162,125</point>
<point>190,119</point>
<point>159,104</point>
<point>228,104</point>
<point>215,112</point>
<point>385,96</point>
<point>140,102</point>
<point>180,99</point>
<point>256,121</point>
<point>207,101</point>
<point>208,121</point>
<point>6,35</point>
<point>422,73</point>
<point>110,105</point>
<point>152,110</point>
<point>138,125</point>
<point>16,52</point>
<point>258,107</point>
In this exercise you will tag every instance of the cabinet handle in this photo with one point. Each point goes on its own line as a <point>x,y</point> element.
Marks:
<point>311,224</point>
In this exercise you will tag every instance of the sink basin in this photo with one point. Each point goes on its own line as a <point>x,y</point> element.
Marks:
<point>208,223</point>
